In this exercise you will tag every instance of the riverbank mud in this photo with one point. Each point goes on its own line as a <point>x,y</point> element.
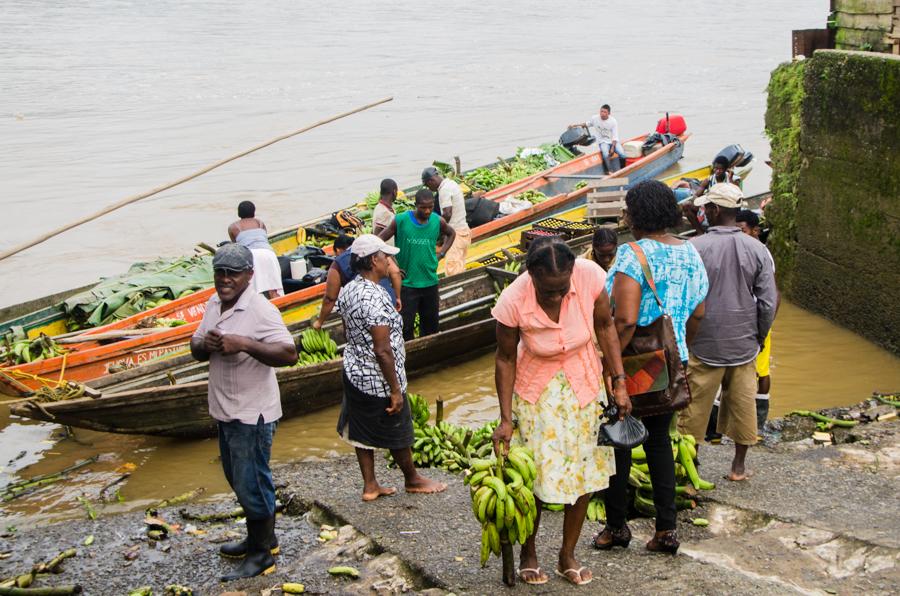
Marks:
<point>814,518</point>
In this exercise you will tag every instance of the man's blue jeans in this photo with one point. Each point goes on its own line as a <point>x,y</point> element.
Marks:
<point>245,451</point>
<point>604,149</point>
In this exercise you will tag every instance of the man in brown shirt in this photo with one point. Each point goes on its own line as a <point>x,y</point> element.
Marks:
<point>243,336</point>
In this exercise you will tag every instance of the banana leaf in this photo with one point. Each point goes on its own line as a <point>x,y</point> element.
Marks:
<point>124,295</point>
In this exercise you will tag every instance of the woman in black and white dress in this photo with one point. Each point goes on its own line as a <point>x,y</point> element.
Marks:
<point>375,413</point>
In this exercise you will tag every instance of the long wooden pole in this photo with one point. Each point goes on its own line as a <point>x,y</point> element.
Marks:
<point>134,198</point>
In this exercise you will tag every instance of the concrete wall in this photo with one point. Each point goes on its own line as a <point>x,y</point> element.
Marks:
<point>845,262</point>
<point>863,24</point>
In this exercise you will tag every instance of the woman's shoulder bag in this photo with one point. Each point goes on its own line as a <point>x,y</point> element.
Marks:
<point>654,376</point>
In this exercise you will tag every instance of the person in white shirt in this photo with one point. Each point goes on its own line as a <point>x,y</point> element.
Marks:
<point>383,214</point>
<point>453,210</point>
<point>606,130</point>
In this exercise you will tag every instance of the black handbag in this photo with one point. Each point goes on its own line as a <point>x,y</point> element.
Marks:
<point>627,433</point>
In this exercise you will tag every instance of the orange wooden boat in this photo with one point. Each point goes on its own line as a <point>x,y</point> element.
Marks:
<point>93,358</point>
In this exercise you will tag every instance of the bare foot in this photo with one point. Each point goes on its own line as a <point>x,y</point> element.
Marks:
<point>420,484</point>
<point>380,491</point>
<point>739,476</point>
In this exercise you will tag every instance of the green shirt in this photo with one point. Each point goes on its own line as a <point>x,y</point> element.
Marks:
<point>418,245</point>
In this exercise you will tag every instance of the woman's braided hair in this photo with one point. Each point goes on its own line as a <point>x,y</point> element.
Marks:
<point>549,255</point>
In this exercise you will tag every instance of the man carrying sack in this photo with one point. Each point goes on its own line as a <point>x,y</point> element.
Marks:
<point>740,309</point>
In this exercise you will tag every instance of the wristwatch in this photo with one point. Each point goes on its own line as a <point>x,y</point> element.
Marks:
<point>620,377</point>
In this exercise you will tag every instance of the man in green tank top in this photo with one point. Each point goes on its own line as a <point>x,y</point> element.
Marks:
<point>416,234</point>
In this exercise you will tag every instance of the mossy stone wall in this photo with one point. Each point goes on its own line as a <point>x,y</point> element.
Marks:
<point>863,24</point>
<point>785,94</point>
<point>845,262</point>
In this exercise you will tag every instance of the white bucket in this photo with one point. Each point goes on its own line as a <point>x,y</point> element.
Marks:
<point>298,267</point>
<point>632,148</point>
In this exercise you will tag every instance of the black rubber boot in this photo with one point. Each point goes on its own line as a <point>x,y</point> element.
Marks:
<point>762,413</point>
<point>258,560</point>
<point>711,435</point>
<point>237,550</point>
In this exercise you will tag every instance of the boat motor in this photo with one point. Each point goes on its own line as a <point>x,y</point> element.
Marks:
<point>576,136</point>
<point>737,156</point>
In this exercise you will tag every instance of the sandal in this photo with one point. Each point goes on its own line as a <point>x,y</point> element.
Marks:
<point>667,542</point>
<point>577,572</point>
<point>609,538</point>
<point>538,578</point>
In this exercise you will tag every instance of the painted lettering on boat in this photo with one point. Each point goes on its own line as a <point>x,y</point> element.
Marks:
<point>142,357</point>
<point>191,313</point>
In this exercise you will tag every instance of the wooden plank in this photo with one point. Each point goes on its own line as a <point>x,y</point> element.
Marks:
<point>602,196</point>
<point>502,274</point>
<point>605,205</point>
<point>605,182</point>
<point>606,210</point>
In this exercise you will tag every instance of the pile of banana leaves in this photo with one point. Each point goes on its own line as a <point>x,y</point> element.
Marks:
<point>144,286</point>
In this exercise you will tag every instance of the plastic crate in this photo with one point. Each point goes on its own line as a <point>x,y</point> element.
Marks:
<point>530,236</point>
<point>551,223</point>
<point>499,257</point>
<point>491,260</point>
<point>568,229</point>
<point>578,228</point>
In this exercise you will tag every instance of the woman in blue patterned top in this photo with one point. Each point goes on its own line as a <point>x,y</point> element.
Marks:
<point>682,285</point>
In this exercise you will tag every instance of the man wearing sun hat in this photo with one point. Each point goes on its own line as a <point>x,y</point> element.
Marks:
<point>740,308</point>
<point>243,337</point>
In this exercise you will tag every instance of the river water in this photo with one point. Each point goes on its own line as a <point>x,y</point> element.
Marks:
<point>107,98</point>
<point>103,99</point>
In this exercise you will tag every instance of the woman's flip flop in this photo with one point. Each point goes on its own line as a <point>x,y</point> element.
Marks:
<point>538,578</point>
<point>577,572</point>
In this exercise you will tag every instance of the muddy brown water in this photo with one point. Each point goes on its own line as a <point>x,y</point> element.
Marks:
<point>816,364</point>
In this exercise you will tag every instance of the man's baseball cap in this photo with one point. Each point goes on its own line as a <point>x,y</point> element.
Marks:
<point>723,194</point>
<point>369,244</point>
<point>233,256</point>
<point>429,173</point>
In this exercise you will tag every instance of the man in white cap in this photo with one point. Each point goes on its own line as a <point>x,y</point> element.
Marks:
<point>740,309</point>
<point>243,337</point>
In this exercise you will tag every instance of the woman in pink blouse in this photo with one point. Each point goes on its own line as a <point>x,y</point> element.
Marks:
<point>550,387</point>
